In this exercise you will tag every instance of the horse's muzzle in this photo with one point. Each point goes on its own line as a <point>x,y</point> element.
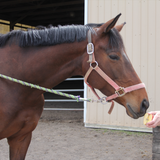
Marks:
<point>143,108</point>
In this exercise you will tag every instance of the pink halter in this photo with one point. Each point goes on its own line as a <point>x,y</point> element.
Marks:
<point>119,91</point>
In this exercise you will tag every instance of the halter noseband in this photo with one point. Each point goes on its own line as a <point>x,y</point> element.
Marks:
<point>119,91</point>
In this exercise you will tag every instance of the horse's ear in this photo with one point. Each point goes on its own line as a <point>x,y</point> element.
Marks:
<point>119,27</point>
<point>106,27</point>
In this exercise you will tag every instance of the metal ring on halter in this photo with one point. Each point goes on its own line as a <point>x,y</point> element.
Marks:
<point>93,63</point>
<point>103,100</point>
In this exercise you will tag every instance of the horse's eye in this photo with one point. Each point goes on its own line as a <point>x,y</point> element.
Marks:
<point>113,57</point>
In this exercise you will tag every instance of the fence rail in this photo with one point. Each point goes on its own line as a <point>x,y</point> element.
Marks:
<point>66,100</point>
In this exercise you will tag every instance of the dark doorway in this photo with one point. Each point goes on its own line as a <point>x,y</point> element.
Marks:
<point>44,13</point>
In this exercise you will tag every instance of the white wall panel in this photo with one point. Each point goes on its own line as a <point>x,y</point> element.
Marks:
<point>141,37</point>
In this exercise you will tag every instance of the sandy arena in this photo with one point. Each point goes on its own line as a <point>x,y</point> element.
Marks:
<point>70,140</point>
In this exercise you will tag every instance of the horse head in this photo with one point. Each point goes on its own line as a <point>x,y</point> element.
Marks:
<point>111,58</point>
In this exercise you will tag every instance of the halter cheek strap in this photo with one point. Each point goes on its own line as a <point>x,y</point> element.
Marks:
<point>119,91</point>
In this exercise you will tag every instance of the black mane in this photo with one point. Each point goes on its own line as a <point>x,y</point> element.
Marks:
<point>95,25</point>
<point>42,36</point>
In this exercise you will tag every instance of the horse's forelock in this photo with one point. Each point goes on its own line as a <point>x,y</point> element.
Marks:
<point>115,40</point>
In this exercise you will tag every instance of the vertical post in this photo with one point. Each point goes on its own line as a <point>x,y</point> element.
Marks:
<point>85,86</point>
<point>156,144</point>
<point>11,26</point>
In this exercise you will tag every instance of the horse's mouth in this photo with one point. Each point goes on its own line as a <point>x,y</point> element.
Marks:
<point>134,115</point>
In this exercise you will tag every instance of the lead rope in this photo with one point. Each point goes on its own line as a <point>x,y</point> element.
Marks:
<point>78,98</point>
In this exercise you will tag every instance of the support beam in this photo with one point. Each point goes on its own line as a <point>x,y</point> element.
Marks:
<point>15,2</point>
<point>24,16</point>
<point>55,17</point>
<point>43,6</point>
<point>11,26</point>
<point>61,11</point>
<point>50,12</point>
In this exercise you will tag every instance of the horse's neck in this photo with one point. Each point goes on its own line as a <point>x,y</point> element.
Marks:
<point>54,64</point>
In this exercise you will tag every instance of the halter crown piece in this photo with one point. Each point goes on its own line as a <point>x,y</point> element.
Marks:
<point>119,91</point>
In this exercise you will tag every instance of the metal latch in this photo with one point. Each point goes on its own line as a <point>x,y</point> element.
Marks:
<point>90,48</point>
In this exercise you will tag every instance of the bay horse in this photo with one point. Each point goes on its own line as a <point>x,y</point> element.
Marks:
<point>47,57</point>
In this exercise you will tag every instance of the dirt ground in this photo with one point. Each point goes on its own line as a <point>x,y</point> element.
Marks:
<point>70,140</point>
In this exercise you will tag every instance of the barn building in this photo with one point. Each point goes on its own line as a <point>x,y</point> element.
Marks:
<point>141,36</point>
<point>26,14</point>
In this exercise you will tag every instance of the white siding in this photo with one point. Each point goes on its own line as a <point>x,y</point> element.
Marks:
<point>141,36</point>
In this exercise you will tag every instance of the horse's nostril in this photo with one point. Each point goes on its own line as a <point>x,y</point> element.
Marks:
<point>144,105</point>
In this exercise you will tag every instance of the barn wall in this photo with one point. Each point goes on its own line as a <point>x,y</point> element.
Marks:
<point>141,37</point>
<point>22,26</point>
<point>4,28</point>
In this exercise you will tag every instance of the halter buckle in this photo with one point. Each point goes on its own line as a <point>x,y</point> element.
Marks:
<point>120,92</point>
<point>90,48</point>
